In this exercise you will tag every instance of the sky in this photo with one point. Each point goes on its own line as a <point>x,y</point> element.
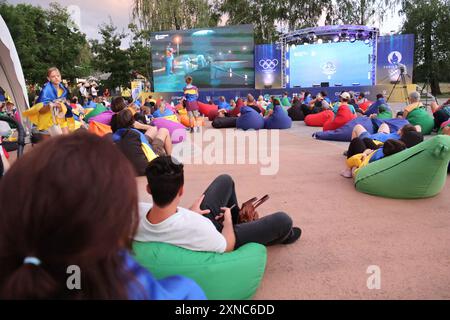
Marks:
<point>93,13</point>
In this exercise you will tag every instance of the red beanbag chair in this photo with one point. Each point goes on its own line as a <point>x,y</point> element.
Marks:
<point>343,116</point>
<point>205,109</point>
<point>213,114</point>
<point>319,119</point>
<point>363,106</point>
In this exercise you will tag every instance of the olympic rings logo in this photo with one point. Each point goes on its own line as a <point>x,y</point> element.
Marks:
<point>268,64</point>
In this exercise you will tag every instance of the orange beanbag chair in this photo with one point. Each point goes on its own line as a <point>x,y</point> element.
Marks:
<point>365,105</point>
<point>184,119</point>
<point>343,116</point>
<point>99,129</point>
<point>205,109</point>
<point>319,119</point>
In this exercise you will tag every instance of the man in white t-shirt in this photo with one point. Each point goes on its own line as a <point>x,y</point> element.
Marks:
<point>211,224</point>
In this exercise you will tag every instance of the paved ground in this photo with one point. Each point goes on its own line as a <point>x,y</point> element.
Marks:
<point>344,232</point>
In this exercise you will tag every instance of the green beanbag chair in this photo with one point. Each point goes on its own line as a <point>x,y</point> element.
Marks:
<point>97,111</point>
<point>385,115</point>
<point>230,276</point>
<point>419,172</point>
<point>421,117</point>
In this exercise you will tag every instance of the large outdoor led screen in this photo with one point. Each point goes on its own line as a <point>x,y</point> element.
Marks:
<point>214,57</point>
<point>340,63</point>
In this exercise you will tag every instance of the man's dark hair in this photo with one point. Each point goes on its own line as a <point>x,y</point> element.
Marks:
<point>362,95</point>
<point>323,93</point>
<point>118,104</point>
<point>411,138</point>
<point>165,178</point>
<point>407,128</point>
<point>392,146</point>
<point>379,96</point>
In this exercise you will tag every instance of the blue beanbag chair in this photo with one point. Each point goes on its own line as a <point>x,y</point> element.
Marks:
<point>394,124</point>
<point>278,120</point>
<point>345,133</point>
<point>250,119</point>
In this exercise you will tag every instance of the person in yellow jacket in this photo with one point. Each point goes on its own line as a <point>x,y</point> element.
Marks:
<point>51,114</point>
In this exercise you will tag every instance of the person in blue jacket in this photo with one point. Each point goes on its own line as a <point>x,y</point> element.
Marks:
<point>374,108</point>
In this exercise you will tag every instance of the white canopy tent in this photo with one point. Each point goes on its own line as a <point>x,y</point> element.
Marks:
<point>11,74</point>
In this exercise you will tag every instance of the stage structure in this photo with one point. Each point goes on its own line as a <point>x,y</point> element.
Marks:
<point>329,56</point>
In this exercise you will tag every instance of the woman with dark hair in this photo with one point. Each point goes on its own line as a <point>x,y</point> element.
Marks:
<point>45,235</point>
<point>295,112</point>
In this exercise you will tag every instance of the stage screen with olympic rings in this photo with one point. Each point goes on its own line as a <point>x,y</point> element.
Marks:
<point>268,66</point>
<point>335,63</point>
<point>214,57</point>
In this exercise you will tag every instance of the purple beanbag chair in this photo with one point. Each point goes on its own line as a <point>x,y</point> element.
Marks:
<point>177,130</point>
<point>250,119</point>
<point>394,124</point>
<point>345,133</point>
<point>278,120</point>
<point>104,117</point>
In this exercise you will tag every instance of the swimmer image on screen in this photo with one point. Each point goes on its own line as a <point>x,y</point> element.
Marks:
<point>215,57</point>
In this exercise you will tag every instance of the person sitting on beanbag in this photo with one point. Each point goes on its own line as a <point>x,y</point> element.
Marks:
<point>223,106</point>
<point>417,114</point>
<point>441,114</point>
<point>375,107</point>
<point>295,112</point>
<point>162,111</point>
<point>212,223</point>
<point>278,119</point>
<point>316,105</point>
<point>343,115</point>
<point>363,151</point>
<point>384,133</point>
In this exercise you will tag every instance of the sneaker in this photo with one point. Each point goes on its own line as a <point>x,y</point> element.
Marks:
<point>197,129</point>
<point>347,173</point>
<point>294,236</point>
<point>192,130</point>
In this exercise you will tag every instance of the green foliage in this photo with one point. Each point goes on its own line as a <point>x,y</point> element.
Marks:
<point>159,15</point>
<point>429,21</point>
<point>361,12</point>
<point>110,57</point>
<point>45,38</point>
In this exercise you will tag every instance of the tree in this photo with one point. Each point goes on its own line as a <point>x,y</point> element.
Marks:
<point>262,14</point>
<point>428,20</point>
<point>160,15</point>
<point>139,52</point>
<point>269,15</point>
<point>109,57</point>
<point>45,38</point>
<point>360,12</point>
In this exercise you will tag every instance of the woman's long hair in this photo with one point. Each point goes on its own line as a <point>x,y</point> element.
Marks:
<point>70,201</point>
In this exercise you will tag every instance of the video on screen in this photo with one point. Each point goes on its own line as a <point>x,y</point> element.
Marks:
<point>214,57</point>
